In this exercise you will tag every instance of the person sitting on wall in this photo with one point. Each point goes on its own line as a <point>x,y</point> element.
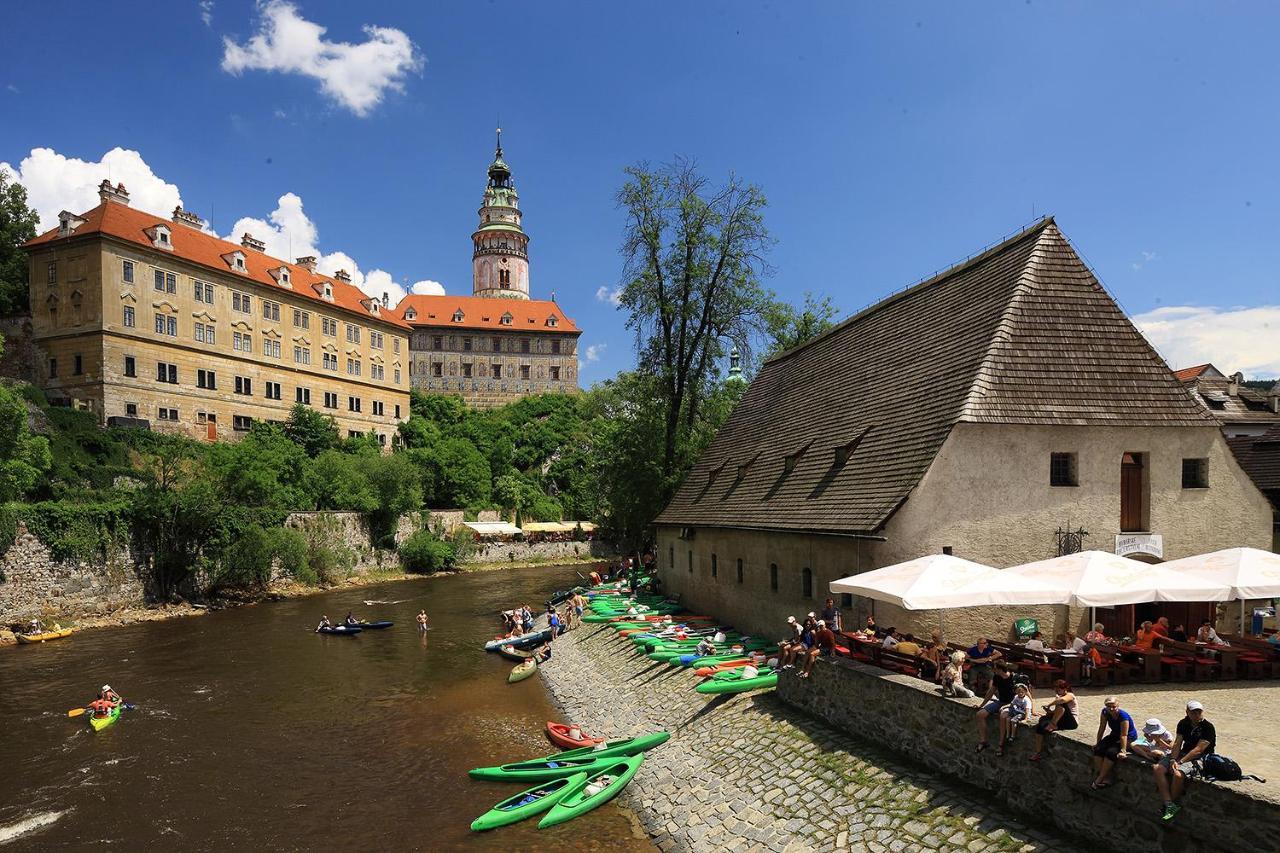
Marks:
<point>952,677</point>
<point>999,694</point>
<point>891,638</point>
<point>1061,713</point>
<point>1115,732</point>
<point>1022,706</point>
<point>1154,741</point>
<point>1036,643</point>
<point>1209,636</point>
<point>1196,738</point>
<point>824,645</point>
<point>790,646</point>
<point>934,656</point>
<point>908,645</point>
<point>982,655</point>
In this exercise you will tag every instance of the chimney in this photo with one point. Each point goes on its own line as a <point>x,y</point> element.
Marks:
<point>1273,398</point>
<point>307,262</point>
<point>1233,385</point>
<point>187,218</point>
<point>250,242</point>
<point>386,299</point>
<point>343,275</point>
<point>118,193</point>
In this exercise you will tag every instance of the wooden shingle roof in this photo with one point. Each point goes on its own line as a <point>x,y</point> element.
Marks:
<point>1023,333</point>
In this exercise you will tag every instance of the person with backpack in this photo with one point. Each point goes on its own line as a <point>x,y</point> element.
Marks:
<point>1195,739</point>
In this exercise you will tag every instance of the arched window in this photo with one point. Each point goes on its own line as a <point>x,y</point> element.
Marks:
<point>773,576</point>
<point>806,582</point>
<point>504,278</point>
<point>739,570</point>
<point>714,567</point>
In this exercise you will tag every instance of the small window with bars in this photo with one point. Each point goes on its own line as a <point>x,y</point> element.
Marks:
<point>1195,473</point>
<point>1062,470</point>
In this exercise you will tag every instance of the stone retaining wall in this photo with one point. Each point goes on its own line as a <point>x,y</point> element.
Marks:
<point>907,715</point>
<point>36,584</point>
<point>749,773</point>
<point>524,552</point>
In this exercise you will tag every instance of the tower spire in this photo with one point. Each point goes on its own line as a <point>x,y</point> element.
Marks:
<point>498,153</point>
<point>500,259</point>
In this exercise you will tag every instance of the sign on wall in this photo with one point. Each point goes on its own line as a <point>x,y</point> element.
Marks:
<point>1151,544</point>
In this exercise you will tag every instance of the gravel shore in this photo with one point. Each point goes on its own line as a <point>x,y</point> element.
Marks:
<point>746,772</point>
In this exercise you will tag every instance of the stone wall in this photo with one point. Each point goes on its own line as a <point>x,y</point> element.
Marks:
<point>38,585</point>
<point>908,716</point>
<point>18,361</point>
<point>524,552</point>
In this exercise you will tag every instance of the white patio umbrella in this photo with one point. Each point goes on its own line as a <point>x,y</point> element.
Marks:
<point>1250,572</point>
<point>1099,579</point>
<point>943,582</point>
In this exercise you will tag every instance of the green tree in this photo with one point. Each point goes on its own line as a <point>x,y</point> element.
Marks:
<point>338,481</point>
<point>313,431</point>
<point>788,326</point>
<point>461,476</point>
<point>694,256</point>
<point>424,552</point>
<point>24,457</point>
<point>398,485</point>
<point>18,224</point>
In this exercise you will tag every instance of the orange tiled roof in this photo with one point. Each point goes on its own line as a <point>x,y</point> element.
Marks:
<point>130,224</point>
<point>1186,374</point>
<point>485,313</point>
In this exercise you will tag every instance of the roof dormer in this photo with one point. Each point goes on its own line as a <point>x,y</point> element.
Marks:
<point>281,275</point>
<point>375,307</point>
<point>411,314</point>
<point>68,222</point>
<point>236,261</point>
<point>506,319</point>
<point>553,320</point>
<point>161,236</point>
<point>458,316</point>
<point>324,290</point>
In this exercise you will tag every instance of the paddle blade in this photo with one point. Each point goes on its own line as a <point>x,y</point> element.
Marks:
<point>129,706</point>
<point>75,712</point>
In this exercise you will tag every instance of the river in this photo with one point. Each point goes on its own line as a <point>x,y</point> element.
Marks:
<point>252,732</point>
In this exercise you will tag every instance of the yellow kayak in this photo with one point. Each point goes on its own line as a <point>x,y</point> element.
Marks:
<point>45,635</point>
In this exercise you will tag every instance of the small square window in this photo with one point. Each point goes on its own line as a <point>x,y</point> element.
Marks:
<point>130,366</point>
<point>1062,470</point>
<point>1195,473</point>
<point>131,410</point>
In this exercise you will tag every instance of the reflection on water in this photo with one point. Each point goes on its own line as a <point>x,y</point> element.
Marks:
<point>252,732</point>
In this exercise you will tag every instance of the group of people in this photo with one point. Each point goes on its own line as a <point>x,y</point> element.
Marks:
<point>349,620</point>
<point>107,700</point>
<point>1149,633</point>
<point>808,640</point>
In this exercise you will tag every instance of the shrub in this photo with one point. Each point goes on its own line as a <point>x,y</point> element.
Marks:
<point>424,552</point>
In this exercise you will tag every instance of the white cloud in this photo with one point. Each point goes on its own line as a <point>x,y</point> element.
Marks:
<point>206,12</point>
<point>613,297</point>
<point>55,183</point>
<point>595,351</point>
<point>427,287</point>
<point>1241,338</point>
<point>356,76</point>
<point>12,88</point>
<point>1147,257</point>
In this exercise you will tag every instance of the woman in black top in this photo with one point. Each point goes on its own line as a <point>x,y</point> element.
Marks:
<point>999,694</point>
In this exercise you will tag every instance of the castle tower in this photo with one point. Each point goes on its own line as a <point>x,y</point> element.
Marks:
<point>500,261</point>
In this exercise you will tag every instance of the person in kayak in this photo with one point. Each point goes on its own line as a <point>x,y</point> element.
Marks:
<point>35,627</point>
<point>109,696</point>
<point>350,620</point>
<point>422,621</point>
<point>543,654</point>
<point>324,623</point>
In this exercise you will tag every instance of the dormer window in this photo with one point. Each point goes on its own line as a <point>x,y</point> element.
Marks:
<point>326,291</point>
<point>411,314</point>
<point>552,320</point>
<point>284,276</point>
<point>458,316</point>
<point>506,319</point>
<point>281,275</point>
<point>160,236</point>
<point>844,451</point>
<point>235,260</point>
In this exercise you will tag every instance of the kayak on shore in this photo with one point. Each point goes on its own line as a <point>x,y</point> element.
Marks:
<point>596,789</point>
<point>512,653</point>
<point>527,803</point>
<point>739,681</point>
<point>532,638</point>
<point>45,636</point>
<point>562,764</point>
<point>562,735</point>
<point>521,671</point>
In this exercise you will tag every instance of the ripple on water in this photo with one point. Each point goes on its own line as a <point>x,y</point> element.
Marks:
<point>29,824</point>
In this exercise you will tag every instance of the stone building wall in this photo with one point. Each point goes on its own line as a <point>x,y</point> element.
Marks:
<point>36,584</point>
<point>905,714</point>
<point>987,497</point>
<point>522,552</point>
<point>453,353</point>
<point>18,361</point>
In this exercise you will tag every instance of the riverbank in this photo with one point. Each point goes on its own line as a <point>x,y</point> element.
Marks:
<point>277,591</point>
<point>747,772</point>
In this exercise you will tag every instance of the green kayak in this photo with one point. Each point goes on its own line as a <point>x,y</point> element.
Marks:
<point>598,788</point>
<point>614,748</point>
<point>733,682</point>
<point>527,803</point>
<point>540,769</point>
<point>521,671</point>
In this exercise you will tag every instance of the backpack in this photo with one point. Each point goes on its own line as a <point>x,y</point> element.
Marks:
<point>1222,769</point>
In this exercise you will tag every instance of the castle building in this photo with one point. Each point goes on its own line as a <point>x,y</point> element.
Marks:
<point>157,323</point>
<point>1005,410</point>
<point>498,344</point>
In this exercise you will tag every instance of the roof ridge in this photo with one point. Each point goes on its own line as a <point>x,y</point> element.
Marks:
<point>923,284</point>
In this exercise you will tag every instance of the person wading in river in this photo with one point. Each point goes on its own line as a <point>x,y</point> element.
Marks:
<point>422,621</point>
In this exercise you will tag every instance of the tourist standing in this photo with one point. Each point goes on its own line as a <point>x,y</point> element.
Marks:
<point>422,621</point>
<point>832,616</point>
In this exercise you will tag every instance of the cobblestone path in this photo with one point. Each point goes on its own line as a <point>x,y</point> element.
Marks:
<point>746,772</point>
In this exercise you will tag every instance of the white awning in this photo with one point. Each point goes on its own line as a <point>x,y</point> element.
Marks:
<point>943,582</point>
<point>493,528</point>
<point>1249,572</point>
<point>1099,579</point>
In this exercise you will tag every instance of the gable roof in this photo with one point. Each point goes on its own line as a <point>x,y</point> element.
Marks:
<point>1186,374</point>
<point>1259,456</point>
<point>198,247</point>
<point>484,313</point>
<point>1023,333</point>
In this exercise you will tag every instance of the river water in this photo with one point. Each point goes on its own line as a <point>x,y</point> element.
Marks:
<point>252,732</point>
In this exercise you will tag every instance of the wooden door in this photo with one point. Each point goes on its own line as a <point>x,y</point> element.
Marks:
<point>1131,494</point>
<point>212,430</point>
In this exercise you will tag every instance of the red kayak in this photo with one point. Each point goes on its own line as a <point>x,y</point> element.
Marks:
<point>562,736</point>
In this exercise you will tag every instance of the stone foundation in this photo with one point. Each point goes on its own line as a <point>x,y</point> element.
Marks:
<point>749,773</point>
<point>908,715</point>
<point>38,585</point>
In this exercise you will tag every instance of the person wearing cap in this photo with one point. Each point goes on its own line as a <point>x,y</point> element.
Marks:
<point>824,644</point>
<point>791,646</point>
<point>1154,741</point>
<point>1116,730</point>
<point>1195,738</point>
<point>109,696</point>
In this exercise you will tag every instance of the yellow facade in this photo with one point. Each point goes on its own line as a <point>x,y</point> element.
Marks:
<point>102,340</point>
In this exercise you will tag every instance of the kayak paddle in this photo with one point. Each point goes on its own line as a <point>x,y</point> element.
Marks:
<point>75,712</point>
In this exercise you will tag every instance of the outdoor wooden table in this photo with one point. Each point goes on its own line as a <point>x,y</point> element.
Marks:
<point>1150,661</point>
<point>1228,657</point>
<point>1072,665</point>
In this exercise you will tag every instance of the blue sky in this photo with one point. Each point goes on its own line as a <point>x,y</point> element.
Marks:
<point>891,141</point>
